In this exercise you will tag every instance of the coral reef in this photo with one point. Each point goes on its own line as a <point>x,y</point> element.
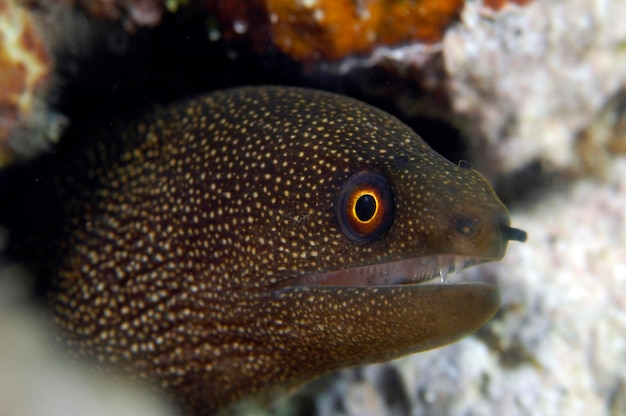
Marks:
<point>335,29</point>
<point>603,139</point>
<point>25,66</point>
<point>530,78</point>
<point>302,29</point>
<point>132,13</point>
<point>499,4</point>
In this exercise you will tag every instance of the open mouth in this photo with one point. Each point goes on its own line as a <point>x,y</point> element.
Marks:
<point>428,269</point>
<point>417,270</point>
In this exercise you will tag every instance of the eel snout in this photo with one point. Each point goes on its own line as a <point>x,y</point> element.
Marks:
<point>417,270</point>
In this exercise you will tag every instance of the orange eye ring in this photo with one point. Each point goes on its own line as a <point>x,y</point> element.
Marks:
<point>365,207</point>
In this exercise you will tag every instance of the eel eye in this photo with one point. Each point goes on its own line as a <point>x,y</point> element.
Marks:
<point>365,207</point>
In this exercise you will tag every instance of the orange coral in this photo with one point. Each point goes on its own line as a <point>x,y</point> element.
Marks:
<point>335,28</point>
<point>332,29</point>
<point>499,4</point>
<point>24,66</point>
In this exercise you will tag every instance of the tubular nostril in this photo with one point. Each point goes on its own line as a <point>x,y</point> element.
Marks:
<point>510,233</point>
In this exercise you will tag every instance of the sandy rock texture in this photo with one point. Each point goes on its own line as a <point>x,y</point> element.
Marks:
<point>529,78</point>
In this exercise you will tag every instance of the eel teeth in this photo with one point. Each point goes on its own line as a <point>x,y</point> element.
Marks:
<point>408,271</point>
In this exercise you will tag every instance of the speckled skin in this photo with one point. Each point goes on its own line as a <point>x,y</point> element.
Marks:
<point>181,240</point>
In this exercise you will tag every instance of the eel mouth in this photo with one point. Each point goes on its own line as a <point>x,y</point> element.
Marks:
<point>418,270</point>
<point>412,271</point>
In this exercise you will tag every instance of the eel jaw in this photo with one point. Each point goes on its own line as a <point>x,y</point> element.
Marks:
<point>416,270</point>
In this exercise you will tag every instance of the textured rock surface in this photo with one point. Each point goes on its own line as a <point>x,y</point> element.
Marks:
<point>25,66</point>
<point>529,78</point>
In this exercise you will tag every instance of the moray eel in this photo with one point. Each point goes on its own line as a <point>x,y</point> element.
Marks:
<point>255,238</point>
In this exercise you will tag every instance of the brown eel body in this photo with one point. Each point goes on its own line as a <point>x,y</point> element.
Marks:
<point>255,238</point>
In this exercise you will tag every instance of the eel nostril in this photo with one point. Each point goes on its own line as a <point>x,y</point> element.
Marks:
<point>510,233</point>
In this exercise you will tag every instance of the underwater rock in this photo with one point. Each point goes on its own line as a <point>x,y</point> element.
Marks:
<point>25,67</point>
<point>326,29</point>
<point>528,79</point>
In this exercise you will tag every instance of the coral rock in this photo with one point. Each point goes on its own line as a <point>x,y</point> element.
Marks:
<point>499,4</point>
<point>332,29</point>
<point>24,69</point>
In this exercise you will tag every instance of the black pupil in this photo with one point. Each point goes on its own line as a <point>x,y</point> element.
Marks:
<point>365,207</point>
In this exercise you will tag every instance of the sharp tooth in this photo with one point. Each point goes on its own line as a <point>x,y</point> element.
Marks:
<point>444,275</point>
<point>459,262</point>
